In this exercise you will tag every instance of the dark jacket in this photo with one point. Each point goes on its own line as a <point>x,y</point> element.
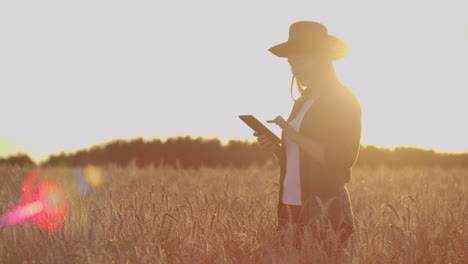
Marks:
<point>334,120</point>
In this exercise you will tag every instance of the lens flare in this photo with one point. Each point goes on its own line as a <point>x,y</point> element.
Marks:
<point>79,181</point>
<point>93,175</point>
<point>21,213</point>
<point>53,200</point>
<point>48,193</point>
<point>46,204</point>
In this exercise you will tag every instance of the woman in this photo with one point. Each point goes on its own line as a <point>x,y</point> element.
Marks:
<point>321,137</point>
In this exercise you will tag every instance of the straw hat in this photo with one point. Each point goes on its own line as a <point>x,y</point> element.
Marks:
<point>308,37</point>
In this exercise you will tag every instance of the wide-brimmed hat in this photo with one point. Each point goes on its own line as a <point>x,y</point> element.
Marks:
<point>308,37</point>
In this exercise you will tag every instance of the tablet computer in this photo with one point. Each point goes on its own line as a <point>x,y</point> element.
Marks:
<point>256,125</point>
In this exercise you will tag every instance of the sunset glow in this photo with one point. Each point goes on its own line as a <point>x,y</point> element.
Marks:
<point>102,79</point>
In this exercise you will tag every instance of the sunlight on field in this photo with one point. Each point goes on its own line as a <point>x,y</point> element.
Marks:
<point>170,215</point>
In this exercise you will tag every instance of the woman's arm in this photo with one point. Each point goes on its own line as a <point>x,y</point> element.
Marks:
<point>277,153</point>
<point>341,150</point>
<point>268,144</point>
<point>313,148</point>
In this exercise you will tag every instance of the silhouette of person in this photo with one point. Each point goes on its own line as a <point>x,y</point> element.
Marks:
<point>320,139</point>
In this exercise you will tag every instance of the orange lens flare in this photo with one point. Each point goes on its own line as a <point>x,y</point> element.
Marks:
<point>93,176</point>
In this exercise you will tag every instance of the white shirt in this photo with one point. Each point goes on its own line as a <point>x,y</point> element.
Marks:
<point>292,179</point>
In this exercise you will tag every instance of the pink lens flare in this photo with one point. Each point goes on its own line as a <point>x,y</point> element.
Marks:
<point>55,206</point>
<point>21,213</point>
<point>46,204</point>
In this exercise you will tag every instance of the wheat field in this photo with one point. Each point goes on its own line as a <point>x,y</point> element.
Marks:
<point>217,215</point>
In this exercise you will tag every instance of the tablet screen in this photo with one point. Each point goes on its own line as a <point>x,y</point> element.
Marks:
<point>256,125</point>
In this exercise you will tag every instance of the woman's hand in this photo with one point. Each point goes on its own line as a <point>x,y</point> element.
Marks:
<point>288,130</point>
<point>266,143</point>
<point>311,147</point>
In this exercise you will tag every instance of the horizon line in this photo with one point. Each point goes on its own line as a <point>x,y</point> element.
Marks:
<point>222,142</point>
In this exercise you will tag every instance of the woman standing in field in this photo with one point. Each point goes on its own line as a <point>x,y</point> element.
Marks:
<point>320,139</point>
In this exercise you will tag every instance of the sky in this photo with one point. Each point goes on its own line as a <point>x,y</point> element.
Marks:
<point>76,73</point>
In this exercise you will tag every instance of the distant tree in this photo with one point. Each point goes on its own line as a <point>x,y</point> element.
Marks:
<point>18,159</point>
<point>188,152</point>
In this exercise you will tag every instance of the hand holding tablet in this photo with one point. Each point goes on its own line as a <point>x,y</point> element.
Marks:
<point>257,126</point>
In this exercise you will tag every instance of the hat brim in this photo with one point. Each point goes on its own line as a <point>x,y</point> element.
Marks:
<point>331,45</point>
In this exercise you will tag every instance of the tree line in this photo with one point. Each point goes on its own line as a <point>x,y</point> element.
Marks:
<point>188,152</point>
